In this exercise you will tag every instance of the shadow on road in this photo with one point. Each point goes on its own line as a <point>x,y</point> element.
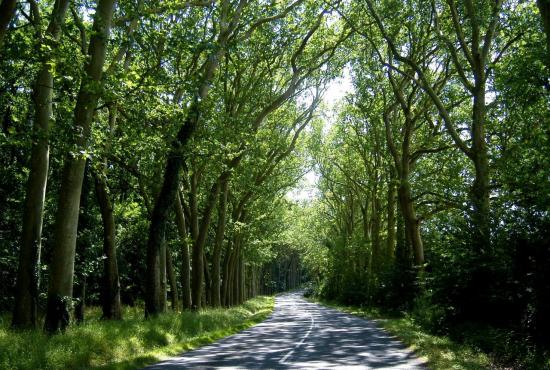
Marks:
<point>302,335</point>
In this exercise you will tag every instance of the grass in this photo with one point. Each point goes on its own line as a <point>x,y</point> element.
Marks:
<point>439,351</point>
<point>128,344</point>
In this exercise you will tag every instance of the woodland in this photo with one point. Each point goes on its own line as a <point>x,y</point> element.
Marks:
<point>151,152</point>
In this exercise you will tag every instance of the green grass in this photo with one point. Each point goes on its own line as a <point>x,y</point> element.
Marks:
<point>440,352</point>
<point>128,344</point>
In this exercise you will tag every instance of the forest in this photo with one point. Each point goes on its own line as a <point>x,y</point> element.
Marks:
<point>165,157</point>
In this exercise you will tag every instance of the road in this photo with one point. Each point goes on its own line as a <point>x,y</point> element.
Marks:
<point>302,335</point>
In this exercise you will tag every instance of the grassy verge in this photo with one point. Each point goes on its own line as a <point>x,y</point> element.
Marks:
<point>439,351</point>
<point>128,344</point>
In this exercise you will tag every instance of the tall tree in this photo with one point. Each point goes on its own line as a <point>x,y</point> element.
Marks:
<point>28,277</point>
<point>62,266</point>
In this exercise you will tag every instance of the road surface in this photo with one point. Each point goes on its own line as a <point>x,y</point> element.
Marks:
<point>302,335</point>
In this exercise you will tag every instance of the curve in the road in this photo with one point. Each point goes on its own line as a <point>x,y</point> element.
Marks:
<point>302,335</point>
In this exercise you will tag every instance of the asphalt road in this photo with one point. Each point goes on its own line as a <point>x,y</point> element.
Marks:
<point>302,335</point>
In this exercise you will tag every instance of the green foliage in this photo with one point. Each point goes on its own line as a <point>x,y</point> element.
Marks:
<point>129,344</point>
<point>466,348</point>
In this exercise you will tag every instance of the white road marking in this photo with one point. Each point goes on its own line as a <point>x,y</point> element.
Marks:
<point>287,356</point>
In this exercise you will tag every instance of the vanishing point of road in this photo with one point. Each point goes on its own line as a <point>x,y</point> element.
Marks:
<point>302,335</point>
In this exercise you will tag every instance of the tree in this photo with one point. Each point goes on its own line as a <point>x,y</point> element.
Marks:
<point>61,279</point>
<point>25,310</point>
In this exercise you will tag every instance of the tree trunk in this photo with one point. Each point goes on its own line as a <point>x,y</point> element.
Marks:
<point>198,247</point>
<point>7,11</point>
<point>412,224</point>
<point>162,276</point>
<point>207,280</point>
<point>83,246</point>
<point>390,241</point>
<point>185,262</point>
<point>62,266</point>
<point>80,306</point>
<point>218,244</point>
<point>242,271</point>
<point>480,187</point>
<point>28,274</point>
<point>111,285</point>
<point>172,280</point>
<point>170,183</point>
<point>226,274</point>
<point>376,220</point>
<point>235,289</point>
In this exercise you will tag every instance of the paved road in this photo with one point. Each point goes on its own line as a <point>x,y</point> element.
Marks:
<point>301,335</point>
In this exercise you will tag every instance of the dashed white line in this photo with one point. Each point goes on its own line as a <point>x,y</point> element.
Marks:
<point>287,356</point>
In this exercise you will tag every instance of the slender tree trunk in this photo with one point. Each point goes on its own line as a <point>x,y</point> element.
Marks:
<point>412,224</point>
<point>28,274</point>
<point>365,260</point>
<point>207,280</point>
<point>480,187</point>
<point>226,274</point>
<point>185,262</point>
<point>61,278</point>
<point>242,276</point>
<point>232,274</point>
<point>7,11</point>
<point>83,246</point>
<point>80,306</point>
<point>172,280</point>
<point>390,241</point>
<point>236,273</point>
<point>198,247</point>
<point>111,305</point>
<point>376,245</point>
<point>162,277</point>
<point>218,244</point>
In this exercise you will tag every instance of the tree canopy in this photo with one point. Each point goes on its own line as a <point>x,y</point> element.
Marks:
<point>150,150</point>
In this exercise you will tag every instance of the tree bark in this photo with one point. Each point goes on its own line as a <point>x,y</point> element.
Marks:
<point>62,266</point>
<point>226,274</point>
<point>480,187</point>
<point>185,262</point>
<point>83,245</point>
<point>390,241</point>
<point>111,285</point>
<point>218,244</point>
<point>207,280</point>
<point>376,221</point>
<point>28,274</point>
<point>198,248</point>
<point>162,276</point>
<point>172,280</point>
<point>412,224</point>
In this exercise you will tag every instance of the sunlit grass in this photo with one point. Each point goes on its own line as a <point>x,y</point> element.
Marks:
<point>440,352</point>
<point>128,344</point>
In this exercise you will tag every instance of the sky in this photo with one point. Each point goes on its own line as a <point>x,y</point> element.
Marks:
<point>306,189</point>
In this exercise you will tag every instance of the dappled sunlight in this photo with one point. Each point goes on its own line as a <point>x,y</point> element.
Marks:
<point>300,334</point>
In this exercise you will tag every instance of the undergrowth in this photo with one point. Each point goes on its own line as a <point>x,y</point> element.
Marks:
<point>128,344</point>
<point>440,351</point>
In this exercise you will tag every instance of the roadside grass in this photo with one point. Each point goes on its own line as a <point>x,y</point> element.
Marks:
<point>440,352</point>
<point>128,344</point>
